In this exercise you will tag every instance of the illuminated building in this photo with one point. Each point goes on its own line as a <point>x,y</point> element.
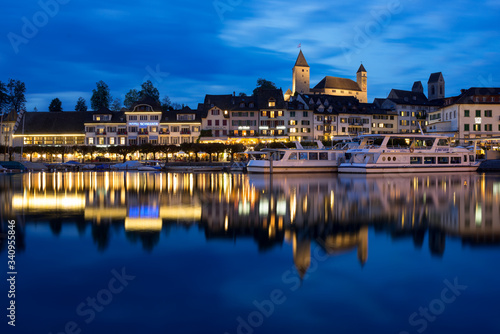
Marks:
<point>144,123</point>
<point>475,113</point>
<point>50,129</point>
<point>328,85</point>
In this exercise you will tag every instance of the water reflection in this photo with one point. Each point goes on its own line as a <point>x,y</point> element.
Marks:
<point>332,211</point>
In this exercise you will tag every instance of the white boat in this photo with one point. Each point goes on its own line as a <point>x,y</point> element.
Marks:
<point>299,160</point>
<point>412,153</point>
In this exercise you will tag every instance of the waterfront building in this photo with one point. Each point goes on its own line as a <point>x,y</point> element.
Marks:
<point>475,113</point>
<point>413,106</point>
<point>51,129</point>
<point>271,104</point>
<point>329,85</point>
<point>215,117</point>
<point>345,116</point>
<point>7,124</point>
<point>246,119</point>
<point>299,121</point>
<point>144,123</point>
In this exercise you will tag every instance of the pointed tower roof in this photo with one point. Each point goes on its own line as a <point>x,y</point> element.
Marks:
<point>434,77</point>
<point>361,69</point>
<point>301,60</point>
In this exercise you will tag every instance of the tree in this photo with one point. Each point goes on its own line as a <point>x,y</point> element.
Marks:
<point>16,98</point>
<point>146,149</point>
<point>167,149</point>
<point>235,148</point>
<point>149,90</point>
<point>166,103</point>
<point>100,96</point>
<point>116,105</point>
<point>122,150</point>
<point>4,97</point>
<point>242,94</point>
<point>55,105</point>
<point>131,97</point>
<point>81,105</point>
<point>264,84</point>
<point>176,106</point>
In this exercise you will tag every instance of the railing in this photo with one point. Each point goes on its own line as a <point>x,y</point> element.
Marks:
<point>185,132</point>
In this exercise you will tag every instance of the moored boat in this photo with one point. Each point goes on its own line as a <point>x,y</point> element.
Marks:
<point>407,153</point>
<point>299,160</point>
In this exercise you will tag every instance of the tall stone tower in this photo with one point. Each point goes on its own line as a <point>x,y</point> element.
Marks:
<point>361,80</point>
<point>300,75</point>
<point>435,86</point>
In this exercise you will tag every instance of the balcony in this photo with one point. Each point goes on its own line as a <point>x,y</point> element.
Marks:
<point>164,132</point>
<point>143,133</point>
<point>185,132</point>
<point>121,132</point>
<point>101,133</point>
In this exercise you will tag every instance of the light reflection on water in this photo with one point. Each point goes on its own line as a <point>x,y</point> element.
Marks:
<point>356,253</point>
<point>332,210</point>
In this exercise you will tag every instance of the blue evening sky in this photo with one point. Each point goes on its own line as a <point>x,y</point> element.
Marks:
<point>191,48</point>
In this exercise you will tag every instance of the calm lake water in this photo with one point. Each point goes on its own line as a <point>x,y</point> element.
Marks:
<point>118,252</point>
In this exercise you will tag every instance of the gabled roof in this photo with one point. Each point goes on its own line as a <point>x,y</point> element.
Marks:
<point>329,82</point>
<point>378,101</point>
<point>223,102</point>
<point>147,100</point>
<point>59,122</point>
<point>434,77</point>
<point>361,69</point>
<point>296,105</point>
<point>301,60</point>
<point>10,116</point>
<point>467,96</point>
<point>417,86</point>
<point>102,111</point>
<point>407,97</point>
<point>263,96</point>
<point>170,116</point>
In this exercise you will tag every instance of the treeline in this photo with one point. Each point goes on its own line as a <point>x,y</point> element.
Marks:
<point>102,98</point>
<point>12,96</point>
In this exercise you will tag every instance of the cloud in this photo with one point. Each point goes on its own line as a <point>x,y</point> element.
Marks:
<point>398,41</point>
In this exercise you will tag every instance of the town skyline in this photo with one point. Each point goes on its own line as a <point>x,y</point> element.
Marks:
<point>226,47</point>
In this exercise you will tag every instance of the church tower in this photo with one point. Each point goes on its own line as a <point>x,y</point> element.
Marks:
<point>361,80</point>
<point>300,75</point>
<point>435,86</point>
